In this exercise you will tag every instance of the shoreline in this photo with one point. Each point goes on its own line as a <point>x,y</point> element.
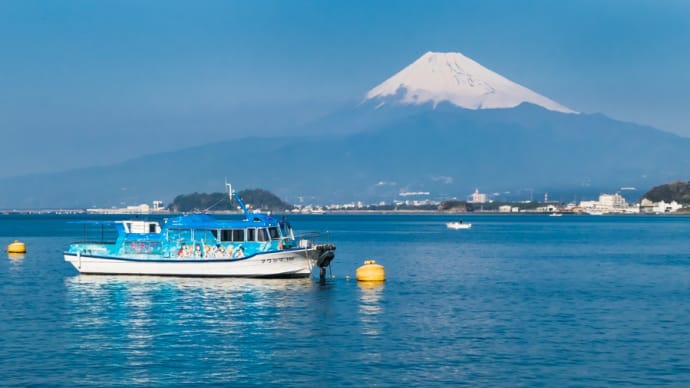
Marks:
<point>327,213</point>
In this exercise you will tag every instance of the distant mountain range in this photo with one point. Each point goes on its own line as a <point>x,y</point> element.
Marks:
<point>443,125</point>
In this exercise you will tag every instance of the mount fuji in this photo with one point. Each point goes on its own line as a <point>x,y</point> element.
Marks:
<point>457,79</point>
<point>443,125</point>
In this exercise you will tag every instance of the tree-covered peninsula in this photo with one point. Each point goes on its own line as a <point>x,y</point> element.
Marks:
<point>203,202</point>
<point>676,191</point>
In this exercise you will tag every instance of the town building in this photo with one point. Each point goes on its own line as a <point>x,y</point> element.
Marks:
<point>608,203</point>
<point>649,207</point>
<point>478,197</point>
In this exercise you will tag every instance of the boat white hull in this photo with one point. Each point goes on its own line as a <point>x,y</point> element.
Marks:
<point>457,225</point>
<point>287,263</point>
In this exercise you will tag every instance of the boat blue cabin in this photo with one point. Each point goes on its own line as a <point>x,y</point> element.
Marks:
<point>203,236</point>
<point>198,236</point>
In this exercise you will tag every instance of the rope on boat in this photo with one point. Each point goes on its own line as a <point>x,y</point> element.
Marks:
<point>214,205</point>
<point>306,256</point>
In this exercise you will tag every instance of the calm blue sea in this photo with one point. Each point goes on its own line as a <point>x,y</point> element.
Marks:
<point>518,300</point>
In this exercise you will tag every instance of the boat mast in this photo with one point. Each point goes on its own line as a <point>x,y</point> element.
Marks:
<point>234,195</point>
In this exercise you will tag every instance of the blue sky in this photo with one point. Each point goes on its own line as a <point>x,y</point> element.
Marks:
<point>75,75</point>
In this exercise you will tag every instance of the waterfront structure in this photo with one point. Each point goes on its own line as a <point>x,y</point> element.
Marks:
<point>608,203</point>
<point>478,197</point>
<point>647,206</point>
<point>133,209</point>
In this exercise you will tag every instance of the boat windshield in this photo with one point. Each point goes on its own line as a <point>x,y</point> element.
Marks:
<point>286,229</point>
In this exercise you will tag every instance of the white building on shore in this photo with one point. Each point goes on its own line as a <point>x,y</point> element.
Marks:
<point>608,203</point>
<point>478,197</point>
<point>647,206</point>
<point>136,209</point>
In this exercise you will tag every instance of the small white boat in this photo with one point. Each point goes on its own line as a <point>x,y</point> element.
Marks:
<point>555,214</point>
<point>458,225</point>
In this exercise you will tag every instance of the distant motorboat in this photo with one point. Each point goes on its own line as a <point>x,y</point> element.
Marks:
<point>555,214</point>
<point>458,225</point>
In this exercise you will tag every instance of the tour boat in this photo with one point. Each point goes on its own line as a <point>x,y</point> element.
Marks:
<point>201,245</point>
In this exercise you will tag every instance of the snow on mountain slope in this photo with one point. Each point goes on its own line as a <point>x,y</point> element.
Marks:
<point>455,78</point>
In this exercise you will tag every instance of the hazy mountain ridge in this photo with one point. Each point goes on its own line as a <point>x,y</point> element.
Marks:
<point>447,151</point>
<point>393,142</point>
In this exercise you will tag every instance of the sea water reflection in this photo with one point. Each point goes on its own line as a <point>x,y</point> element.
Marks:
<point>16,261</point>
<point>113,299</point>
<point>15,256</point>
<point>175,330</point>
<point>151,322</point>
<point>370,307</point>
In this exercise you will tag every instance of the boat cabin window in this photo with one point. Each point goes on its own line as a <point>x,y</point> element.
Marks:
<point>141,227</point>
<point>257,234</point>
<point>273,231</point>
<point>286,229</point>
<point>179,235</point>
<point>262,235</point>
<point>205,235</point>
<point>232,235</point>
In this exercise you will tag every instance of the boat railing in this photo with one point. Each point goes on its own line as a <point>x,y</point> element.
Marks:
<point>310,239</point>
<point>93,242</point>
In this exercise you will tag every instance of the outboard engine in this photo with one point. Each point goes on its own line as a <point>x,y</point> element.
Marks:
<point>326,255</point>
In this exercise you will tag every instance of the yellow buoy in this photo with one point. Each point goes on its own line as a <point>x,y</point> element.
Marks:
<point>16,247</point>
<point>371,272</point>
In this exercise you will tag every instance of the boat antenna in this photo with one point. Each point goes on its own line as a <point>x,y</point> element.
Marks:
<point>233,195</point>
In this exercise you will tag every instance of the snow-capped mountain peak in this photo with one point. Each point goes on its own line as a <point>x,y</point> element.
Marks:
<point>457,79</point>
